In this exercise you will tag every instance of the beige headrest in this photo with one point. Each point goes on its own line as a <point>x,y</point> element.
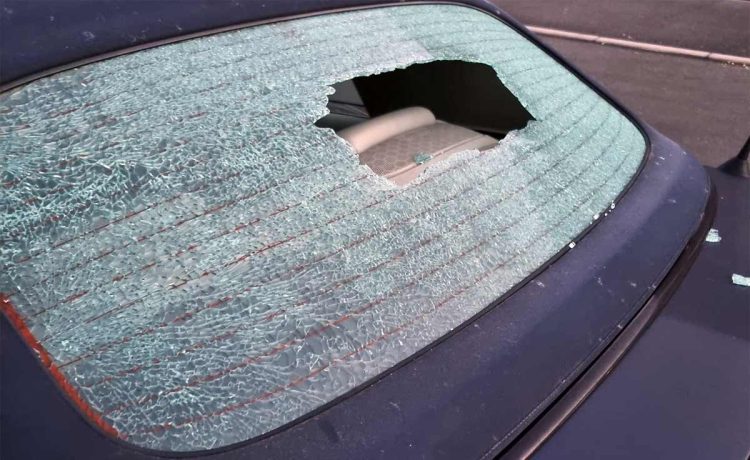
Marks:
<point>378,129</point>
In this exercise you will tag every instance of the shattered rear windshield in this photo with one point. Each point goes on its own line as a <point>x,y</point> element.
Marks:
<point>203,263</point>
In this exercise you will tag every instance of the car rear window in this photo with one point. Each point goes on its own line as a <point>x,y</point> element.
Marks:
<point>203,263</point>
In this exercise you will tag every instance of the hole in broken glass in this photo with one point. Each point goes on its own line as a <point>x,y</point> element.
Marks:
<point>401,122</point>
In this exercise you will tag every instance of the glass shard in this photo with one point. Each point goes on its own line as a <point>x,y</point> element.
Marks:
<point>713,236</point>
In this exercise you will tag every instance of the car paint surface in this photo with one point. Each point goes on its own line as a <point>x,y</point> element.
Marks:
<point>43,34</point>
<point>683,391</point>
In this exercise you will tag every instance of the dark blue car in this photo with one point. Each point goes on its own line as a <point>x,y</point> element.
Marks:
<point>352,228</point>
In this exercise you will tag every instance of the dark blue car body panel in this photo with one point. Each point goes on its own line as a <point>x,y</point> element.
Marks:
<point>683,390</point>
<point>462,397</point>
<point>40,35</point>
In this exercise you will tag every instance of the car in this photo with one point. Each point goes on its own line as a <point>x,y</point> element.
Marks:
<point>352,228</point>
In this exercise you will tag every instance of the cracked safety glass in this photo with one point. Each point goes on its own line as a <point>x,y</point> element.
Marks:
<point>202,263</point>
